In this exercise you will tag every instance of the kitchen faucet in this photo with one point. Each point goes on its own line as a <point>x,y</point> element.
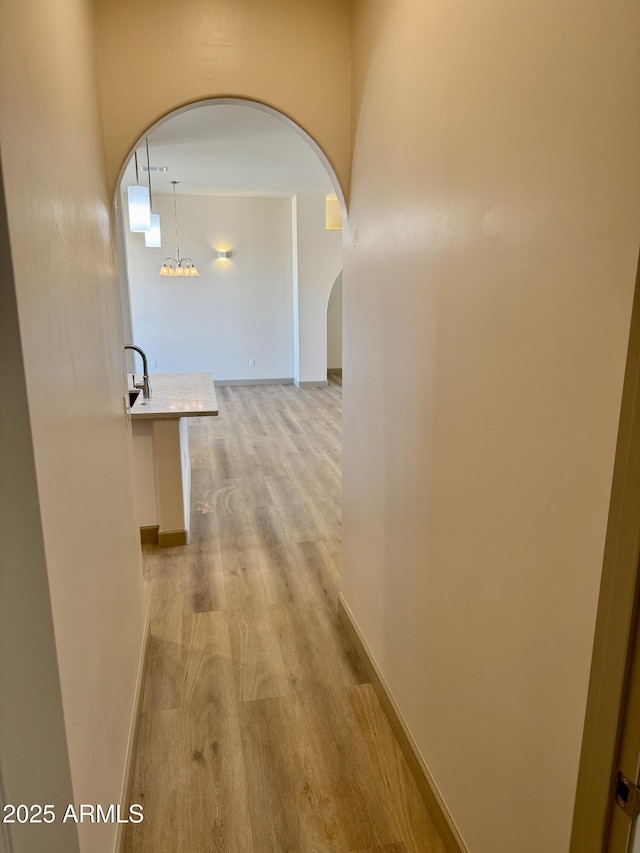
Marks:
<point>146,384</point>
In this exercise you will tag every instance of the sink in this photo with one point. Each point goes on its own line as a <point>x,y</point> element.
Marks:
<point>133,396</point>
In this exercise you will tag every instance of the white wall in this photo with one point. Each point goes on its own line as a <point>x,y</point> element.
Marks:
<point>80,484</point>
<point>236,309</point>
<point>496,214</point>
<point>334,325</point>
<point>266,302</point>
<point>319,255</point>
<point>296,286</point>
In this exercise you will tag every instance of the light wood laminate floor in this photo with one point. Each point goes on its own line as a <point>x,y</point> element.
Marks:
<point>260,731</point>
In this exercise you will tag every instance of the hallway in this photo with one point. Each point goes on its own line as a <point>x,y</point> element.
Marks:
<point>260,731</point>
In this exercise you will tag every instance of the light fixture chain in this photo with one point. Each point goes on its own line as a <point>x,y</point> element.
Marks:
<point>146,141</point>
<point>175,219</point>
<point>178,266</point>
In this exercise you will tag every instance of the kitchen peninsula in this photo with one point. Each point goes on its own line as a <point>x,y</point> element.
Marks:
<point>161,452</point>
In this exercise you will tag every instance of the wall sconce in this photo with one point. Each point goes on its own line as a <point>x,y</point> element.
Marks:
<point>333,213</point>
<point>222,254</point>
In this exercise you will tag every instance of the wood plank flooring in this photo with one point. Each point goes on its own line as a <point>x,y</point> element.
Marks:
<point>260,732</point>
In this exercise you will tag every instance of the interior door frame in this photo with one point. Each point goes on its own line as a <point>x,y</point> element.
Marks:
<point>620,833</point>
<point>617,608</point>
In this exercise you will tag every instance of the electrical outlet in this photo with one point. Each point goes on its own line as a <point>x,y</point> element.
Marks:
<point>154,364</point>
<point>252,362</point>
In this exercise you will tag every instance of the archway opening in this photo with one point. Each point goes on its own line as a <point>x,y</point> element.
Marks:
<point>253,185</point>
<point>245,195</point>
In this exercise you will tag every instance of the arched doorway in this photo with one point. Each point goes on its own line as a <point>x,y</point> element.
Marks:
<point>260,314</point>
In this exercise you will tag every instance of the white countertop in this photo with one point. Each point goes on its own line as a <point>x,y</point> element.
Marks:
<point>176,395</point>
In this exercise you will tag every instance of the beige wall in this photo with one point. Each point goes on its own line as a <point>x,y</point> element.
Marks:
<point>34,765</point>
<point>294,57</point>
<point>68,306</point>
<point>495,211</point>
<point>494,227</point>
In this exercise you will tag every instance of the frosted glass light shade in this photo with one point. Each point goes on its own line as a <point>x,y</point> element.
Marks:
<point>139,208</point>
<point>185,267</point>
<point>153,238</point>
<point>187,271</point>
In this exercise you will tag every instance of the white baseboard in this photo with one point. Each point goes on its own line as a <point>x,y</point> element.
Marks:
<point>221,383</point>
<point>321,383</point>
<point>432,797</point>
<point>134,730</point>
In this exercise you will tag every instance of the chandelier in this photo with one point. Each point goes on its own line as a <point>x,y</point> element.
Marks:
<point>178,266</point>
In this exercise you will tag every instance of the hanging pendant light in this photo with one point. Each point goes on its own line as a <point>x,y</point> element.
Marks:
<point>178,266</point>
<point>139,205</point>
<point>153,237</point>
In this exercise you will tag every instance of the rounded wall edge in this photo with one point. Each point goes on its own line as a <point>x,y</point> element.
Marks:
<point>250,103</point>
